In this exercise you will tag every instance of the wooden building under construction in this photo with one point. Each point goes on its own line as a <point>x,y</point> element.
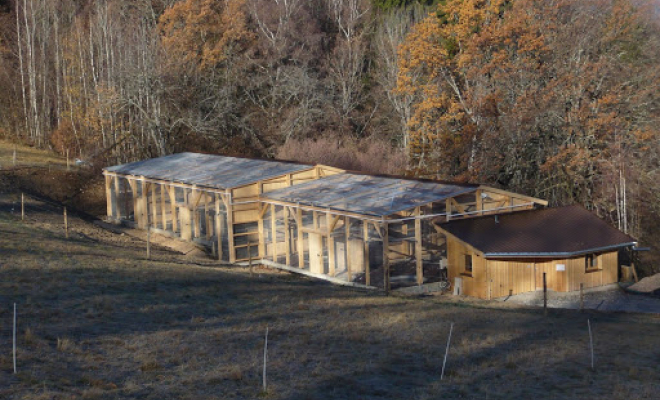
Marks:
<point>353,228</point>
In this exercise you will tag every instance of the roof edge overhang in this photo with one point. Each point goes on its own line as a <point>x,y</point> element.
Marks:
<point>265,198</point>
<point>559,254</point>
<point>188,184</point>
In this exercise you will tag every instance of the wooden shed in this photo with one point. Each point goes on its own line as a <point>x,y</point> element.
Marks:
<point>500,255</point>
<point>212,200</point>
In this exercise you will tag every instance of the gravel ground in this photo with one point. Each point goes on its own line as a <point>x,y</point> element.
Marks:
<point>606,298</point>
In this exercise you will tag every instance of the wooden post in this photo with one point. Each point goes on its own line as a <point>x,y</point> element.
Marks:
<point>634,271</point>
<point>287,236</point>
<point>545,296</point>
<point>448,209</point>
<point>418,247</point>
<point>195,211</point>
<point>386,260</point>
<point>262,232</point>
<point>163,212</point>
<point>347,225</point>
<point>22,206</point>
<point>581,297</point>
<point>175,218</point>
<point>14,158</point>
<point>230,226</point>
<point>273,230</point>
<point>117,192</point>
<point>365,239</point>
<point>14,334</point>
<point>331,245</point>
<point>110,201</point>
<point>301,244</point>
<point>207,217</point>
<point>218,226</point>
<point>66,224</point>
<point>154,206</point>
<point>68,164</point>
<point>480,202</point>
<point>148,234</point>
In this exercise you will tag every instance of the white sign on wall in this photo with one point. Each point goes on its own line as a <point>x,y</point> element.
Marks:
<point>560,267</point>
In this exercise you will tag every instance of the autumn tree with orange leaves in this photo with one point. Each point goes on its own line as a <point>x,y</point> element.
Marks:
<point>554,98</point>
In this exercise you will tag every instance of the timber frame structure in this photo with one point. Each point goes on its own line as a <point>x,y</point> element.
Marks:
<point>353,228</point>
<point>210,200</point>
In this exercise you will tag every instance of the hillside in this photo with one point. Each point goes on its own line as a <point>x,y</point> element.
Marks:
<point>97,320</point>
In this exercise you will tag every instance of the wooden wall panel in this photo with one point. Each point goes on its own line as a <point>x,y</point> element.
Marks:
<point>607,274</point>
<point>474,285</point>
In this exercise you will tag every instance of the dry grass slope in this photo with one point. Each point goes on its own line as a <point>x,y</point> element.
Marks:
<point>99,321</point>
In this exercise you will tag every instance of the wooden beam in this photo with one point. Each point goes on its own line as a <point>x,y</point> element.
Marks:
<point>287,233</point>
<point>117,191</point>
<point>154,207</point>
<point>143,205</point>
<point>163,217</point>
<point>320,209</point>
<point>301,244</point>
<point>333,225</point>
<point>207,217</point>
<point>349,271</point>
<point>514,195</point>
<point>321,232</point>
<point>331,246</point>
<point>480,202</point>
<point>273,227</point>
<point>365,239</point>
<point>108,196</point>
<point>218,225</point>
<point>448,208</point>
<point>175,219</point>
<point>459,207</point>
<point>386,258</point>
<point>196,197</point>
<point>230,228</point>
<point>419,247</point>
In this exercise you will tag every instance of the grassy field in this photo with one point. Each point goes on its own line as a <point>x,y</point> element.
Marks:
<point>28,156</point>
<point>98,321</point>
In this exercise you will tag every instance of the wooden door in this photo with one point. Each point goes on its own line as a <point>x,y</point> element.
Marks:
<point>538,272</point>
<point>315,253</point>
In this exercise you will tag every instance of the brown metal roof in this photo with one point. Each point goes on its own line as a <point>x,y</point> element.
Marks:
<point>551,232</point>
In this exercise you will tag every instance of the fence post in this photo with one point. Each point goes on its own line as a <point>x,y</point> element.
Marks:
<point>591,344</point>
<point>22,206</point>
<point>444,362</point>
<point>265,358</point>
<point>545,296</point>
<point>14,334</point>
<point>66,224</point>
<point>67,160</point>
<point>14,157</point>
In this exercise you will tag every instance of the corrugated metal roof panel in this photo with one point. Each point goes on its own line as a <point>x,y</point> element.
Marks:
<point>208,170</point>
<point>366,194</point>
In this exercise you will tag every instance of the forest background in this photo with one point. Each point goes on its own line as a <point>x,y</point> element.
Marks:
<point>557,99</point>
